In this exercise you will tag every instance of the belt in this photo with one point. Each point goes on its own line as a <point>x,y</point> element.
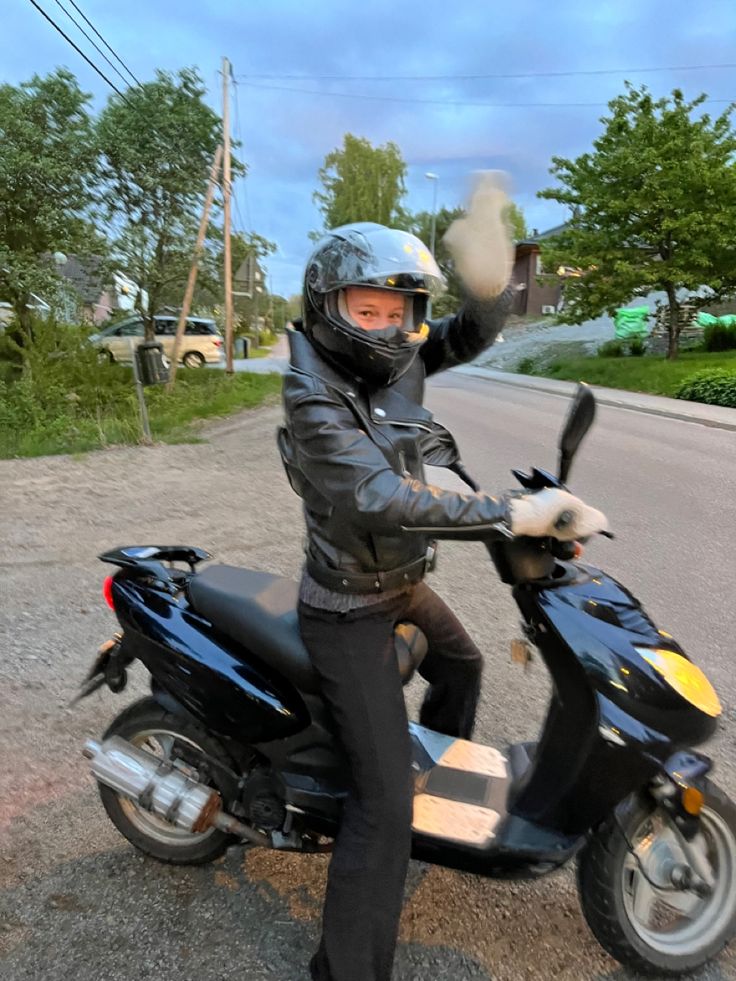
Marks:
<point>371,582</point>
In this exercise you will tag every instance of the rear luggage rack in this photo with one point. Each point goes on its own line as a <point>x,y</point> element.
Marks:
<point>148,561</point>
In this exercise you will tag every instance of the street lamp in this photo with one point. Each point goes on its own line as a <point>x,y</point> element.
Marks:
<point>434,178</point>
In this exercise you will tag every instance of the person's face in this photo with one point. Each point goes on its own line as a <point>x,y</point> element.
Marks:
<point>374,309</point>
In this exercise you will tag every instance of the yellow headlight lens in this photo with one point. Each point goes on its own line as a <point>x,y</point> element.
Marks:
<point>686,678</point>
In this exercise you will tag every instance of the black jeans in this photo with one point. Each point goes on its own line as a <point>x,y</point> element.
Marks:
<point>354,655</point>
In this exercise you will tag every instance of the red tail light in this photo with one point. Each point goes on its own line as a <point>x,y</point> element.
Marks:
<point>217,342</point>
<point>107,592</point>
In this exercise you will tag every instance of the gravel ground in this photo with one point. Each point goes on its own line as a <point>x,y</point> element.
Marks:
<point>531,340</point>
<point>76,901</point>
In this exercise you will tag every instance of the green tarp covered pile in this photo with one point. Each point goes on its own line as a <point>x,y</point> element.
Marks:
<point>708,320</point>
<point>631,322</point>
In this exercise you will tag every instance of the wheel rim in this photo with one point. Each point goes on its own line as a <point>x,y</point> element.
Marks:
<point>193,360</point>
<point>677,921</point>
<point>161,743</point>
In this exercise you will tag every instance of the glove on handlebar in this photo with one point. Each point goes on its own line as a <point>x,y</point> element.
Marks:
<point>555,513</point>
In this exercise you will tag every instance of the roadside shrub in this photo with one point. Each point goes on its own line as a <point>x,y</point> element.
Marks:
<point>611,349</point>
<point>526,366</point>
<point>714,386</point>
<point>719,337</point>
<point>634,348</point>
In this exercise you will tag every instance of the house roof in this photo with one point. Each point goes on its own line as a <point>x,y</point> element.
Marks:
<point>540,237</point>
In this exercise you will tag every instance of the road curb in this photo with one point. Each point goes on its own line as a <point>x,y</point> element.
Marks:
<point>715,417</point>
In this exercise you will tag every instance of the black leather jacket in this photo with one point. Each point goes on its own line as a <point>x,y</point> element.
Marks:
<point>356,455</point>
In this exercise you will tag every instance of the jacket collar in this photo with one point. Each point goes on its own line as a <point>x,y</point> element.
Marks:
<point>305,358</point>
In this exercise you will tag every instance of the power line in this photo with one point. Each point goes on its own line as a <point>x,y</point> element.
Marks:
<point>116,55</point>
<point>94,45</point>
<point>442,102</point>
<point>447,78</point>
<point>77,49</point>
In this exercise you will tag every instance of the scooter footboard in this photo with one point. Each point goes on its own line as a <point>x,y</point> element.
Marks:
<point>461,788</point>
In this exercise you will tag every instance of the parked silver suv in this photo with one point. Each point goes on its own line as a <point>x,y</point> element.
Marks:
<point>202,342</point>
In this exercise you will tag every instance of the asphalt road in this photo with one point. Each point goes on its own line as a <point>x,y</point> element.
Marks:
<point>76,902</point>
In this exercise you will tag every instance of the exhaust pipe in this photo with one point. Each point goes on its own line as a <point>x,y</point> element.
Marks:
<point>159,787</point>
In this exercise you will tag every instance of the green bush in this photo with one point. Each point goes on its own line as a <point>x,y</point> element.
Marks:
<point>635,347</point>
<point>611,349</point>
<point>526,366</point>
<point>715,386</point>
<point>719,337</point>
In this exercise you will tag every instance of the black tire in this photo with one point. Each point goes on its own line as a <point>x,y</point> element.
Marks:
<point>193,359</point>
<point>602,883</point>
<point>165,843</point>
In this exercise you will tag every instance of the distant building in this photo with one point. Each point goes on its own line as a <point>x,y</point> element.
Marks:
<point>534,298</point>
<point>96,293</point>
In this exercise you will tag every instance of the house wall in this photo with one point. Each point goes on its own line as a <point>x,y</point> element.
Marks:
<point>521,276</point>
<point>527,269</point>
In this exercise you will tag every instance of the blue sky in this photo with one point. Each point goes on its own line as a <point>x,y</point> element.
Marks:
<point>286,133</point>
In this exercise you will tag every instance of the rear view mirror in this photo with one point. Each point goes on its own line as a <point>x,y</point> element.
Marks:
<point>579,420</point>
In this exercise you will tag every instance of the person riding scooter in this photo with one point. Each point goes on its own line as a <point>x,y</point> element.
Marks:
<point>354,444</point>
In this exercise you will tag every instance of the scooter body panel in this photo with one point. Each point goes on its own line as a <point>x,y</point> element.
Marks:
<point>222,685</point>
<point>613,720</point>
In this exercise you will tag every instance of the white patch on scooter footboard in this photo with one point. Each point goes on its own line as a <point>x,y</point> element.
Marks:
<point>453,820</point>
<point>474,758</point>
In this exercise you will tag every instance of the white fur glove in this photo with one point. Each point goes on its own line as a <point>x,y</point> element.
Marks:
<point>537,515</point>
<point>480,243</point>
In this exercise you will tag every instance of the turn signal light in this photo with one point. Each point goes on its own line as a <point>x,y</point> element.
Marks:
<point>692,801</point>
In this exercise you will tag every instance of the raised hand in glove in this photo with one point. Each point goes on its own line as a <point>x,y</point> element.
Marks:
<point>555,513</point>
<point>481,243</point>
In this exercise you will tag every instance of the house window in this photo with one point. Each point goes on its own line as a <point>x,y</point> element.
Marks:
<point>538,265</point>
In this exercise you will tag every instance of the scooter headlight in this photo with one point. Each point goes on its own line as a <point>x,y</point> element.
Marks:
<point>685,677</point>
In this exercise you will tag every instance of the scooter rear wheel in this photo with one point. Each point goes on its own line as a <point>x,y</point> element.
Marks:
<point>149,726</point>
<point>629,891</point>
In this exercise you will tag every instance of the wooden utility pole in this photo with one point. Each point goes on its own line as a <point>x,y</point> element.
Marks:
<point>226,190</point>
<point>191,281</point>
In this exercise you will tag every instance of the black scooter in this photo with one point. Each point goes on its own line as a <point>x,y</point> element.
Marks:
<point>235,743</point>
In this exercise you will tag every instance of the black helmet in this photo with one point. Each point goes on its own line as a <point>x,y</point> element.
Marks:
<point>369,255</point>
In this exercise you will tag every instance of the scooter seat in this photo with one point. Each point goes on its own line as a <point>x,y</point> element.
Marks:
<point>258,610</point>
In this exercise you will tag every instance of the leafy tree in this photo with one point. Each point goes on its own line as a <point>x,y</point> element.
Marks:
<point>157,145</point>
<point>47,158</point>
<point>653,208</point>
<point>361,182</point>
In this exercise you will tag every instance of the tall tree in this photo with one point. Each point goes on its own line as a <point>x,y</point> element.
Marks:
<point>653,208</point>
<point>157,145</point>
<point>47,158</point>
<point>361,182</point>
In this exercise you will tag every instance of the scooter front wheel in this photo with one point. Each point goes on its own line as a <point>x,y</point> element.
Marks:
<point>639,898</point>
